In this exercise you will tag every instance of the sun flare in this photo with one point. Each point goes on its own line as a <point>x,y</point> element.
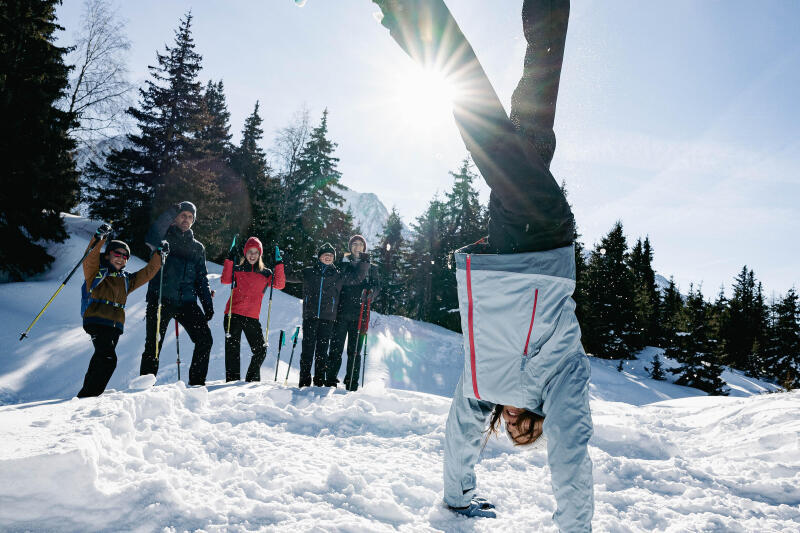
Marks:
<point>424,92</point>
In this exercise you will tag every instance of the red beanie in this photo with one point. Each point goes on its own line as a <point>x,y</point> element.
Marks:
<point>253,242</point>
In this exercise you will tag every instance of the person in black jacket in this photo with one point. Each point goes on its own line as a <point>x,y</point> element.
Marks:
<point>185,280</point>
<point>351,308</point>
<point>322,284</point>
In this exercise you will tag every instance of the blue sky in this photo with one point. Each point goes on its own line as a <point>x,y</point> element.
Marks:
<point>678,118</point>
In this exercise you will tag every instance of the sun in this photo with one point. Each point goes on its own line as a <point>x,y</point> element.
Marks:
<point>425,92</point>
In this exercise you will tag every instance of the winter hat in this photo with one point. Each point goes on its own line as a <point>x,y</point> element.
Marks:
<point>187,206</point>
<point>253,242</point>
<point>356,238</point>
<point>118,245</point>
<point>326,248</point>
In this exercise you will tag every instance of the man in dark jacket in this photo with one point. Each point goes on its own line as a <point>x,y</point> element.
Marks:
<point>352,308</point>
<point>185,280</point>
<point>322,284</point>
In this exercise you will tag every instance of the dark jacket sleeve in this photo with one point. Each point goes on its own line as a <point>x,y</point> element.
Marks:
<point>374,281</point>
<point>159,228</point>
<point>201,281</point>
<point>355,276</point>
<point>294,277</point>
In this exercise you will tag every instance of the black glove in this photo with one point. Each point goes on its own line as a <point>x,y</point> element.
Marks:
<point>364,257</point>
<point>163,248</point>
<point>209,313</point>
<point>233,253</point>
<point>103,231</point>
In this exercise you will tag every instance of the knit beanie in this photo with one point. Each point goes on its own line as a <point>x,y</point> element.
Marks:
<point>118,245</point>
<point>188,206</point>
<point>254,242</point>
<point>326,248</point>
<point>356,238</point>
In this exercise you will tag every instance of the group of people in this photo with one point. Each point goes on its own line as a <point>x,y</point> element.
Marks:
<point>524,365</point>
<point>333,303</point>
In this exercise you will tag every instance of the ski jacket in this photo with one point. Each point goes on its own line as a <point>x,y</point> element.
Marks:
<point>249,286</point>
<point>322,285</point>
<point>185,273</point>
<point>107,290</point>
<point>350,298</point>
<point>522,348</point>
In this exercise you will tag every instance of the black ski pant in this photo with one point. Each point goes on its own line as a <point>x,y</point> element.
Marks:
<point>316,338</point>
<point>104,359</point>
<point>252,330</point>
<point>527,208</point>
<point>345,328</point>
<point>191,317</point>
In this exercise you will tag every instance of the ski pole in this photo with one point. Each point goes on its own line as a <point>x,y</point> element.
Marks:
<point>269,311</point>
<point>178,347</point>
<point>233,285</point>
<point>158,312</point>
<point>281,340</point>
<point>366,336</point>
<point>294,343</point>
<point>63,284</point>
<point>358,341</point>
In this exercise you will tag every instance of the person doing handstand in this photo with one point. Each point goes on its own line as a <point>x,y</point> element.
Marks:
<point>524,362</point>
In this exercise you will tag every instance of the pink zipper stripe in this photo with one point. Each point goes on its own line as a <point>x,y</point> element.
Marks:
<point>471,336</point>
<point>533,316</point>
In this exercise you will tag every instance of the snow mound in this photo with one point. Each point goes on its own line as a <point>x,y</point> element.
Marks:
<point>249,457</point>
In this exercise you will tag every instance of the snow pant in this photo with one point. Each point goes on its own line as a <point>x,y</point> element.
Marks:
<point>527,208</point>
<point>252,330</point>
<point>345,328</point>
<point>316,338</point>
<point>104,359</point>
<point>191,317</point>
<point>564,401</point>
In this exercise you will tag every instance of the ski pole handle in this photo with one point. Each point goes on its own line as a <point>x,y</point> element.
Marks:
<point>278,362</point>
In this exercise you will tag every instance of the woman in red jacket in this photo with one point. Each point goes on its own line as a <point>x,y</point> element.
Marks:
<point>251,279</point>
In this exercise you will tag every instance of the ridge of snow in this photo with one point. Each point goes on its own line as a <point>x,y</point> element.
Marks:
<point>269,457</point>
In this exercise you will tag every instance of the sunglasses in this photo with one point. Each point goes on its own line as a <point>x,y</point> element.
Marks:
<point>120,254</point>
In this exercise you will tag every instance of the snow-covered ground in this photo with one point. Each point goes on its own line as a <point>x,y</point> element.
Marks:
<point>249,457</point>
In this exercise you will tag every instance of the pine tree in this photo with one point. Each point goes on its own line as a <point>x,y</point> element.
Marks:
<point>465,222</point>
<point>784,341</point>
<point>131,185</point>
<point>744,323</point>
<point>700,368</point>
<point>39,177</point>
<point>646,299</point>
<point>580,294</point>
<point>656,369</point>
<point>426,258</point>
<point>312,206</point>
<point>610,324</point>
<point>250,162</point>
<point>389,258</point>
<point>670,314</point>
<point>214,123</point>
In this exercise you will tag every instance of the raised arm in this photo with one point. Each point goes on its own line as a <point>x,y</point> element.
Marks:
<point>159,228</point>
<point>147,273</point>
<point>91,265</point>
<point>279,277</point>
<point>359,274</point>
<point>568,428</point>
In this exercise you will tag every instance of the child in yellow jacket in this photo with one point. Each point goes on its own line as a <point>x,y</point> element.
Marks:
<point>103,298</point>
